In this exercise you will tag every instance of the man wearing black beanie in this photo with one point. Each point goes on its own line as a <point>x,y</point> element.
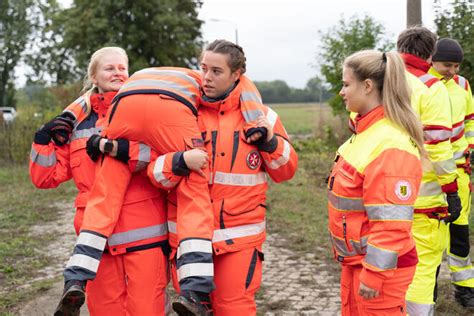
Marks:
<point>445,66</point>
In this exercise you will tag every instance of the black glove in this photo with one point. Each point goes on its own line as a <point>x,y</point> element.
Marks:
<point>254,130</point>
<point>59,129</point>
<point>92,147</point>
<point>454,207</point>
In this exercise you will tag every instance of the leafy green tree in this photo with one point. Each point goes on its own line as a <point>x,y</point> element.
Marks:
<point>15,28</point>
<point>457,22</point>
<point>153,32</point>
<point>51,60</point>
<point>345,38</point>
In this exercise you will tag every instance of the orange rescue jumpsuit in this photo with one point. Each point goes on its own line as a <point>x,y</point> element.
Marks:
<point>51,165</point>
<point>238,186</point>
<point>157,106</point>
<point>371,192</point>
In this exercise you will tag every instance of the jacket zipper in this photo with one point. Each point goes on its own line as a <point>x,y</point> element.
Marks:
<point>344,232</point>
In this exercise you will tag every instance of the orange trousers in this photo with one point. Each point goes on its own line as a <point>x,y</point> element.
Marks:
<point>391,299</point>
<point>130,284</point>
<point>166,125</point>
<point>238,276</point>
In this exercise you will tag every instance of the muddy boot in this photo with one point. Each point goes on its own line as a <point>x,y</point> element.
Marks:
<point>191,303</point>
<point>464,296</point>
<point>72,299</point>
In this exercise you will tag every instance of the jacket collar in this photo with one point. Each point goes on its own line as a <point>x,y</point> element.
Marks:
<point>100,102</point>
<point>415,62</point>
<point>363,122</point>
<point>435,73</point>
<point>230,100</point>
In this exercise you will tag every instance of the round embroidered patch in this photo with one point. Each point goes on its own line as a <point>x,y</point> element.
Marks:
<point>403,190</point>
<point>254,160</point>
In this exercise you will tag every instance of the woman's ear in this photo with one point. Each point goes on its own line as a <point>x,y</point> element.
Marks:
<point>236,75</point>
<point>368,85</point>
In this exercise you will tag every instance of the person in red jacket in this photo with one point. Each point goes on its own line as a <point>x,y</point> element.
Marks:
<point>117,287</point>
<point>373,186</point>
<point>246,142</point>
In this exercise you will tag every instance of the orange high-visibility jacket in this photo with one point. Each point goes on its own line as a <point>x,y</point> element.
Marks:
<point>371,192</point>
<point>238,178</point>
<point>51,165</point>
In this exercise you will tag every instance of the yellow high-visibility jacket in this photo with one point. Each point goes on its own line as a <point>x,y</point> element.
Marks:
<point>430,100</point>
<point>462,114</point>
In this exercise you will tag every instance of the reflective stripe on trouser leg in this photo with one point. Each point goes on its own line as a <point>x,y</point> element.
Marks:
<point>194,265</point>
<point>459,262</point>
<point>85,259</point>
<point>431,240</point>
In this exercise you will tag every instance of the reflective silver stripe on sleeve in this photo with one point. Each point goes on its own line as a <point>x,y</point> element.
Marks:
<point>83,261</point>
<point>91,240</point>
<point>283,159</point>
<point>458,155</point>
<point>459,262</point>
<point>159,84</point>
<point>195,269</point>
<point>82,102</point>
<point>250,96</point>
<point>169,73</point>
<point>426,77</point>
<point>429,189</point>
<point>194,245</point>
<point>159,175</point>
<point>138,234</point>
<point>251,115</point>
<point>172,227</point>
<point>238,231</point>
<point>469,134</point>
<point>344,203</point>
<point>437,135</point>
<point>389,212</point>
<point>419,309</point>
<point>444,167</point>
<point>244,180</point>
<point>457,130</point>
<point>381,258</point>
<point>462,82</point>
<point>144,153</point>
<point>358,248</point>
<point>462,275</point>
<point>85,133</point>
<point>43,160</point>
<point>272,117</point>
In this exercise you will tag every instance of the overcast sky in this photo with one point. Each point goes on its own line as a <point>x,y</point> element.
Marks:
<point>280,37</point>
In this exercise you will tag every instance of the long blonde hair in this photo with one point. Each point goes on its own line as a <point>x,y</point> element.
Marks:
<point>95,58</point>
<point>387,71</point>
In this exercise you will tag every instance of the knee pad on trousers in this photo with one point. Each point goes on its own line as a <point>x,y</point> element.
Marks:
<point>459,244</point>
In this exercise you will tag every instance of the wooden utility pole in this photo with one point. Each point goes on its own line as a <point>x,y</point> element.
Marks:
<point>414,13</point>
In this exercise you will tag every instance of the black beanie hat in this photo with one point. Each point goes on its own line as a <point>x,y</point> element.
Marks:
<point>448,49</point>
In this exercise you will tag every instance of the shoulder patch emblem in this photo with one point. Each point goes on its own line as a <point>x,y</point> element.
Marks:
<point>254,160</point>
<point>403,190</point>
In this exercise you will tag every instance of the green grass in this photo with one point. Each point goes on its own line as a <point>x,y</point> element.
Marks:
<point>22,206</point>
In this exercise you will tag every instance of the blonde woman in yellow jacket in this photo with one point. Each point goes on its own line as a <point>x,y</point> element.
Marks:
<point>445,66</point>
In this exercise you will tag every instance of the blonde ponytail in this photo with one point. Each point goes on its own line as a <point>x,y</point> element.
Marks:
<point>387,71</point>
<point>396,99</point>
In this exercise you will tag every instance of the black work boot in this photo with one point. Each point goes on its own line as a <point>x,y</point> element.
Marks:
<point>464,296</point>
<point>191,303</point>
<point>72,299</point>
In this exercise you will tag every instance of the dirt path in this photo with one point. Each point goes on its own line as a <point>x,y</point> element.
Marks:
<point>60,249</point>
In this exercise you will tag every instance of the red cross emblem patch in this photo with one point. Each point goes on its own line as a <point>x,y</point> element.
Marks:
<point>254,160</point>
